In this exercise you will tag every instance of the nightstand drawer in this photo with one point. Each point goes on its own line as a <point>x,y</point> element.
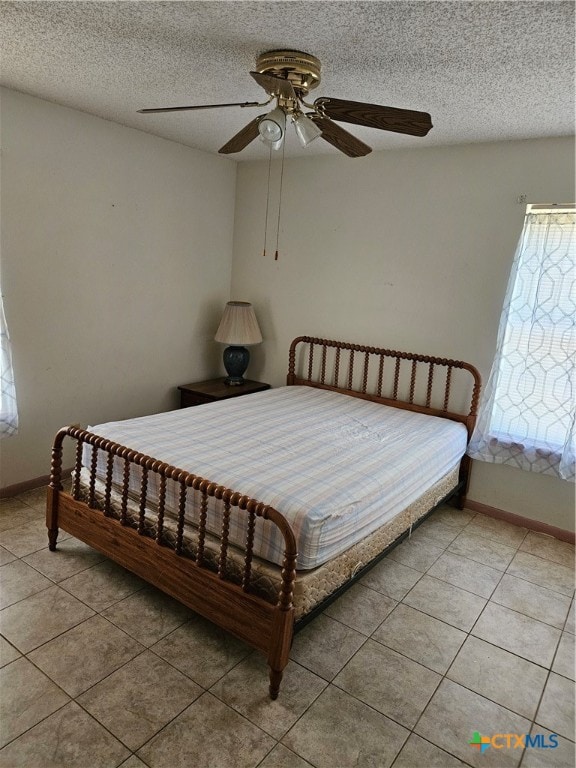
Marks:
<point>190,398</point>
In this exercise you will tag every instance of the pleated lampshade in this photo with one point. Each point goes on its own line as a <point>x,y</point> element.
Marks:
<point>239,325</point>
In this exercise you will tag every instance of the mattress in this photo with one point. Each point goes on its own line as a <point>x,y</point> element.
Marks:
<point>337,467</point>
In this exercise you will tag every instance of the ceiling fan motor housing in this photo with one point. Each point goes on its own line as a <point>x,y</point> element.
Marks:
<point>301,69</point>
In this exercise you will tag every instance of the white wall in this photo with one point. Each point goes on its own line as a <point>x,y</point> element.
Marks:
<point>116,264</point>
<point>404,249</point>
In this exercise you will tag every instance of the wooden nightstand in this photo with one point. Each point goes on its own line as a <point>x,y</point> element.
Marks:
<point>215,389</point>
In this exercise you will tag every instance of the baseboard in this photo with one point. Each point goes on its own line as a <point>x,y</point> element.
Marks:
<point>524,522</point>
<point>29,485</point>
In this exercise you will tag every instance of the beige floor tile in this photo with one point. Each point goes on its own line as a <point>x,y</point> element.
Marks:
<point>282,757</point>
<point>28,538</point>
<point>137,700</point>
<point>466,574</point>
<point>361,608</point>
<point>564,661</point>
<point>446,602</point>
<point>6,556</point>
<point>498,530</point>
<point>71,557</point>
<point>556,711</point>
<point>556,577</point>
<point>18,580</point>
<point>41,617</point>
<point>208,733</point>
<point>148,615</point>
<point>27,697</point>
<point>7,652</point>
<point>102,585</point>
<point>35,498</point>
<point>85,654</point>
<point>422,638</point>
<point>419,554</point>
<point>518,634</point>
<point>531,600</point>
<point>455,713</point>
<point>325,645</point>
<point>419,753</point>
<point>391,683</point>
<point>11,504</point>
<point>571,620</point>
<point>201,650</point>
<point>498,675</point>
<point>69,738</point>
<point>391,578</point>
<point>452,517</point>
<point>549,548</point>
<point>133,762</point>
<point>482,550</point>
<point>14,514</point>
<point>338,730</point>
<point>245,689</point>
<point>561,756</point>
<point>436,532</point>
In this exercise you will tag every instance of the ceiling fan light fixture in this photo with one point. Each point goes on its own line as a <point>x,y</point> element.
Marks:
<point>272,128</point>
<point>306,129</point>
<point>288,76</point>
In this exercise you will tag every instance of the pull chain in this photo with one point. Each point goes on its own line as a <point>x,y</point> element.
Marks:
<point>280,199</point>
<point>267,202</point>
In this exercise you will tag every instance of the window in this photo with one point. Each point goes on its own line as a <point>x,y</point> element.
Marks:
<point>8,410</point>
<point>527,414</point>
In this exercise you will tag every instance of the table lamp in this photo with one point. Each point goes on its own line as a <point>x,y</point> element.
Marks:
<point>239,329</point>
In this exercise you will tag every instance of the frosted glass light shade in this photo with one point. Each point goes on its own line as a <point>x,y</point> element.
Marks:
<point>272,128</point>
<point>239,325</point>
<point>306,130</point>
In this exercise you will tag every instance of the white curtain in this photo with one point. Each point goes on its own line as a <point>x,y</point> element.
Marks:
<point>527,413</point>
<point>8,409</point>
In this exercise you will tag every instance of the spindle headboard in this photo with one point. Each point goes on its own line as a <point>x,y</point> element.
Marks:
<point>401,379</point>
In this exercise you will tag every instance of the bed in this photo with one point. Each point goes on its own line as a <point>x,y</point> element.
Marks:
<point>256,512</point>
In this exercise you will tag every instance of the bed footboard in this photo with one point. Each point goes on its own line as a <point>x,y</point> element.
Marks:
<point>187,574</point>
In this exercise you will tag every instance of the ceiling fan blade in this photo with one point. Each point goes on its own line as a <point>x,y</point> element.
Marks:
<point>242,138</point>
<point>375,116</point>
<point>275,86</point>
<point>339,138</point>
<point>202,106</point>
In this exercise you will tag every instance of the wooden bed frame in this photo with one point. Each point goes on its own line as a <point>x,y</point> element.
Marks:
<point>381,376</point>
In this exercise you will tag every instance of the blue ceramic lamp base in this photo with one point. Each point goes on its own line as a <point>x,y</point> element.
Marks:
<point>236,361</point>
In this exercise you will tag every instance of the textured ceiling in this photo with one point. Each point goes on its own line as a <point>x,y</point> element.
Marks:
<point>486,71</point>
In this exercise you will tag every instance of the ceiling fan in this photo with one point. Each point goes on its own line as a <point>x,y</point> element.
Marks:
<point>288,76</point>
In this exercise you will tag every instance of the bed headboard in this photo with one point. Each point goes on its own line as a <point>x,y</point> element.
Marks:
<point>432,385</point>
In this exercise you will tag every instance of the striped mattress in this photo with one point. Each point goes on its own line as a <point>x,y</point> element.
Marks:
<point>337,467</point>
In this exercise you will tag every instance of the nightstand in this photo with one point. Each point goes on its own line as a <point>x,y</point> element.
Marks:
<point>215,389</point>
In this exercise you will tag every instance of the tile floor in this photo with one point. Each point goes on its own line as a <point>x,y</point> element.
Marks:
<point>469,626</point>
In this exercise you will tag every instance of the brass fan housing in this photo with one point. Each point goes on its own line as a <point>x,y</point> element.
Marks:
<point>299,68</point>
